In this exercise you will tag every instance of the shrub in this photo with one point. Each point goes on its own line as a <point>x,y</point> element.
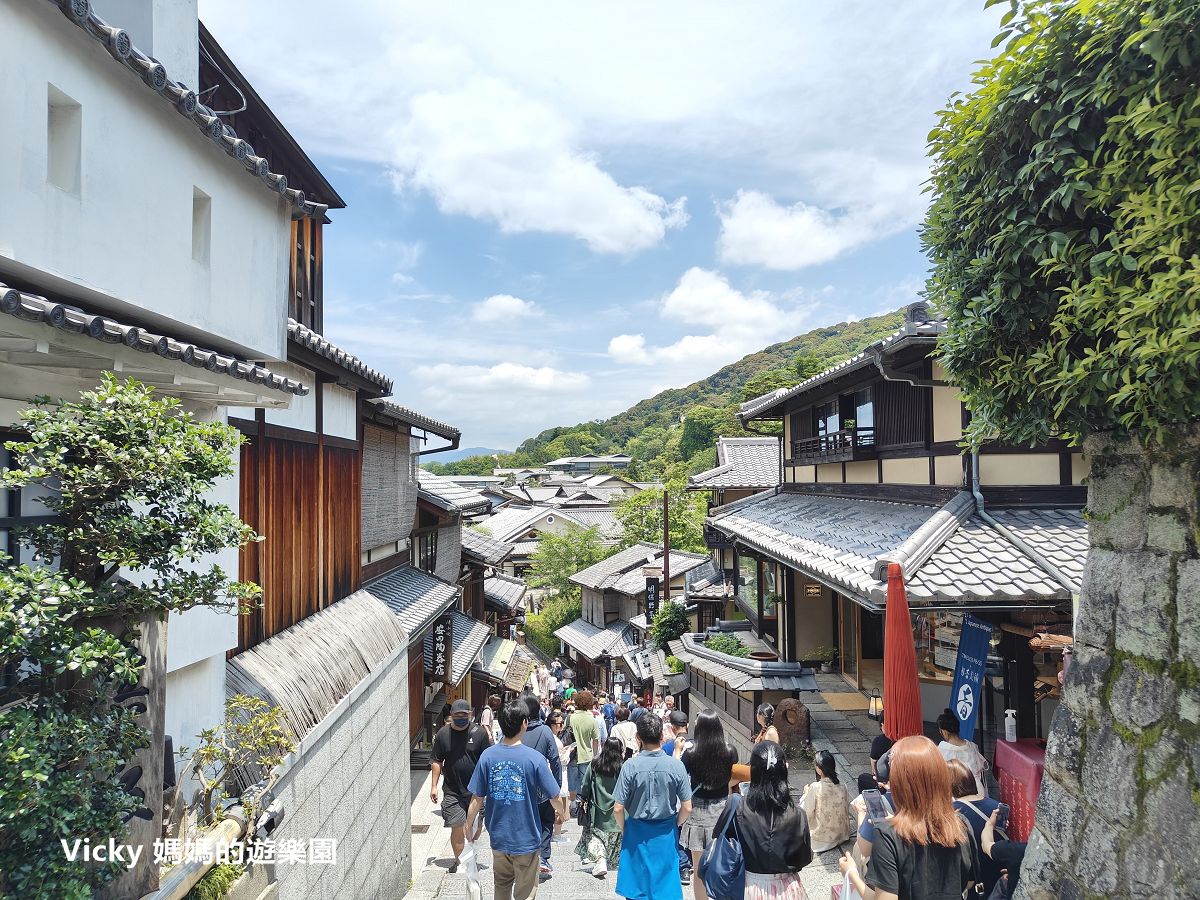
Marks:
<point>670,622</point>
<point>1063,227</point>
<point>727,644</point>
<point>674,665</point>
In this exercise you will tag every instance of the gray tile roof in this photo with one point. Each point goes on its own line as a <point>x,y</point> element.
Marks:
<point>483,548</point>
<point>617,639</point>
<point>69,318</point>
<point>324,348</point>
<point>525,548</point>
<point>446,494</point>
<point>922,332</point>
<point>469,636</point>
<point>415,596</point>
<point>948,554</point>
<point>622,572</point>
<point>633,582</point>
<point>741,463</point>
<point>505,593</point>
<point>416,419</point>
<point>603,519</point>
<point>1060,535</point>
<point>743,674</point>
<point>185,101</point>
<point>709,582</point>
<point>646,663</point>
<point>513,521</point>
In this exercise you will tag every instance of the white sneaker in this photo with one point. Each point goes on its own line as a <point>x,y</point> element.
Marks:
<point>600,869</point>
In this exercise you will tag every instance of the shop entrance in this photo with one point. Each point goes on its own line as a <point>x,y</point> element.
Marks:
<point>861,640</point>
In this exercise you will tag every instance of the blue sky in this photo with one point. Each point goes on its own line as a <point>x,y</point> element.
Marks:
<point>555,210</point>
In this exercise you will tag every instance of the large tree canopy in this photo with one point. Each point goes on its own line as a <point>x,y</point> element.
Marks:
<point>1065,225</point>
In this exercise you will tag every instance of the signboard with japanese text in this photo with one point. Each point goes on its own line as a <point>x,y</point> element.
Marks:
<point>652,595</point>
<point>443,648</point>
<point>966,693</point>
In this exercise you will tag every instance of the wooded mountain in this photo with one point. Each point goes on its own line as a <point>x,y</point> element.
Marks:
<point>673,433</point>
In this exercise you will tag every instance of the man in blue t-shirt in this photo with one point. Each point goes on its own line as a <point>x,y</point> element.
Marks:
<point>514,779</point>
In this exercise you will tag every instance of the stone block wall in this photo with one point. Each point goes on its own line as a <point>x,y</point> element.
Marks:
<point>352,784</point>
<point>1119,811</point>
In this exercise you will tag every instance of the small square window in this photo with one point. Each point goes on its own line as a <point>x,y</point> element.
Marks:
<point>64,120</point>
<point>201,225</point>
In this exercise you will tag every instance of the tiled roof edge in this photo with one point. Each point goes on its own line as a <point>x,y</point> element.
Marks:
<point>926,540</point>
<point>35,308</point>
<point>323,347</point>
<point>186,102</point>
<point>410,417</point>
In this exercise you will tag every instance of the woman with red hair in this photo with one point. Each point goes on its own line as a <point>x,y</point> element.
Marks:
<point>925,850</point>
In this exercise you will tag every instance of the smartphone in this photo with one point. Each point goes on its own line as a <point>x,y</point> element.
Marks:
<point>1002,816</point>
<point>878,807</point>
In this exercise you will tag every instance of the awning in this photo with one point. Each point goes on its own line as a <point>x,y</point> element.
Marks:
<point>484,549</point>
<point>469,636</point>
<point>948,555</point>
<point>504,594</point>
<point>415,596</point>
<point>504,663</point>
<point>594,642</point>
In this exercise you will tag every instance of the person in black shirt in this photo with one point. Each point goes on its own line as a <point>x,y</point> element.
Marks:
<point>773,831</point>
<point>924,851</point>
<point>456,749</point>
<point>709,763</point>
<point>1007,855</point>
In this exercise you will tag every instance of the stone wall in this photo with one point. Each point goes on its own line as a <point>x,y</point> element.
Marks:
<point>1119,811</point>
<point>350,782</point>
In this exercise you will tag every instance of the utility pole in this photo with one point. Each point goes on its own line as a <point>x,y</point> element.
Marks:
<point>666,550</point>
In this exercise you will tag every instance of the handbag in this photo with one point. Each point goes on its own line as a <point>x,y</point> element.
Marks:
<point>583,803</point>
<point>723,865</point>
<point>846,890</point>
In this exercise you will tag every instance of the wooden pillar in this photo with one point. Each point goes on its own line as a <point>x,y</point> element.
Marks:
<point>758,585</point>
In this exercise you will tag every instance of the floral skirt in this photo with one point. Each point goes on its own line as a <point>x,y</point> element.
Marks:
<point>786,886</point>
<point>594,844</point>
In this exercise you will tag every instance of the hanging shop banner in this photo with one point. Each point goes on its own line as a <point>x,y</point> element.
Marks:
<point>966,694</point>
<point>443,648</point>
<point>652,587</point>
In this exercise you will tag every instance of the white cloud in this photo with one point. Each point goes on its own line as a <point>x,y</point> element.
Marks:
<point>755,230</point>
<point>502,378</point>
<point>487,151</point>
<point>737,323</point>
<point>504,308</point>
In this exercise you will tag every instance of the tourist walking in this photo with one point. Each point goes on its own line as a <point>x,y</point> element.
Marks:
<point>599,846</point>
<point>766,730</point>
<point>925,849</point>
<point>772,830</point>
<point>653,799</point>
<point>556,722</point>
<point>457,749</point>
<point>514,779</point>
<point>537,736</point>
<point>678,740</point>
<point>487,718</point>
<point>827,805</point>
<point>976,809</point>
<point>709,764</point>
<point>587,740</point>
<point>955,747</point>
<point>626,730</point>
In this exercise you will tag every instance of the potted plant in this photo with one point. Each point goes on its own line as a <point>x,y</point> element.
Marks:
<point>823,656</point>
<point>848,425</point>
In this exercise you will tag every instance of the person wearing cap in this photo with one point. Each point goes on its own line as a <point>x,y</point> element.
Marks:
<point>457,748</point>
<point>675,744</point>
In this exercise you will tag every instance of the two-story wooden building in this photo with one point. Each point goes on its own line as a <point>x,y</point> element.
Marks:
<point>872,474</point>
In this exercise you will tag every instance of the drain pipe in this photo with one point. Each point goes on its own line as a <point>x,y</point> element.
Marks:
<point>183,877</point>
<point>1016,540</point>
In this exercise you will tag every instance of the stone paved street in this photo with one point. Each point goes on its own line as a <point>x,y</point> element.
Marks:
<point>846,735</point>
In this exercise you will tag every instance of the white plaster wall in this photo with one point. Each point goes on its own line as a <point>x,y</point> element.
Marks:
<point>123,243</point>
<point>164,29</point>
<point>302,413</point>
<point>339,415</point>
<point>195,700</point>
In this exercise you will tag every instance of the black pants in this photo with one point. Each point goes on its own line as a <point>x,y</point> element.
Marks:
<point>546,810</point>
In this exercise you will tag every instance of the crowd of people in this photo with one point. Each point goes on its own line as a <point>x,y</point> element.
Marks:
<point>656,796</point>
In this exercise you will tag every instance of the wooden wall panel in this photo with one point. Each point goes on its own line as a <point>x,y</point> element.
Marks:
<point>306,501</point>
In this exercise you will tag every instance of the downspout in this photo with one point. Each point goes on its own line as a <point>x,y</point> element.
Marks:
<point>453,445</point>
<point>1010,536</point>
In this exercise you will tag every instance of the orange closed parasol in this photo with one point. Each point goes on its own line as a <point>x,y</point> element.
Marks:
<point>901,690</point>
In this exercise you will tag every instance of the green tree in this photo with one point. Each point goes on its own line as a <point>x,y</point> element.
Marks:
<point>670,622</point>
<point>127,478</point>
<point>765,382</point>
<point>641,517</point>
<point>559,556</point>
<point>701,425</point>
<point>806,365</point>
<point>1063,230</point>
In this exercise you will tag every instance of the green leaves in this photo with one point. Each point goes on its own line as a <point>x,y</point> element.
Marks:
<point>1064,227</point>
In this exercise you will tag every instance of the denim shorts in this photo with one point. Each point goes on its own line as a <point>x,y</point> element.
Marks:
<point>575,773</point>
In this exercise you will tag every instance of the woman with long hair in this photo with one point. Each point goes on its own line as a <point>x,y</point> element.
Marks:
<point>924,851</point>
<point>766,729</point>
<point>772,830</point>
<point>709,763</point>
<point>827,805</point>
<point>976,809</point>
<point>599,846</point>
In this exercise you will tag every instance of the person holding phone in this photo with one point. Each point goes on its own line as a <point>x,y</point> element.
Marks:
<point>1007,855</point>
<point>925,849</point>
<point>975,808</point>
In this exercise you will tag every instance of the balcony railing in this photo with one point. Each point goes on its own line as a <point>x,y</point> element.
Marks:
<point>838,446</point>
<point>716,540</point>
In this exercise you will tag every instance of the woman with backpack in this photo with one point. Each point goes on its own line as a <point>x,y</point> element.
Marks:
<point>599,846</point>
<point>925,849</point>
<point>709,763</point>
<point>827,805</point>
<point>976,809</point>
<point>770,829</point>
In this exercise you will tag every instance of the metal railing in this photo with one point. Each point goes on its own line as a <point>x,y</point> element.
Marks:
<point>837,443</point>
